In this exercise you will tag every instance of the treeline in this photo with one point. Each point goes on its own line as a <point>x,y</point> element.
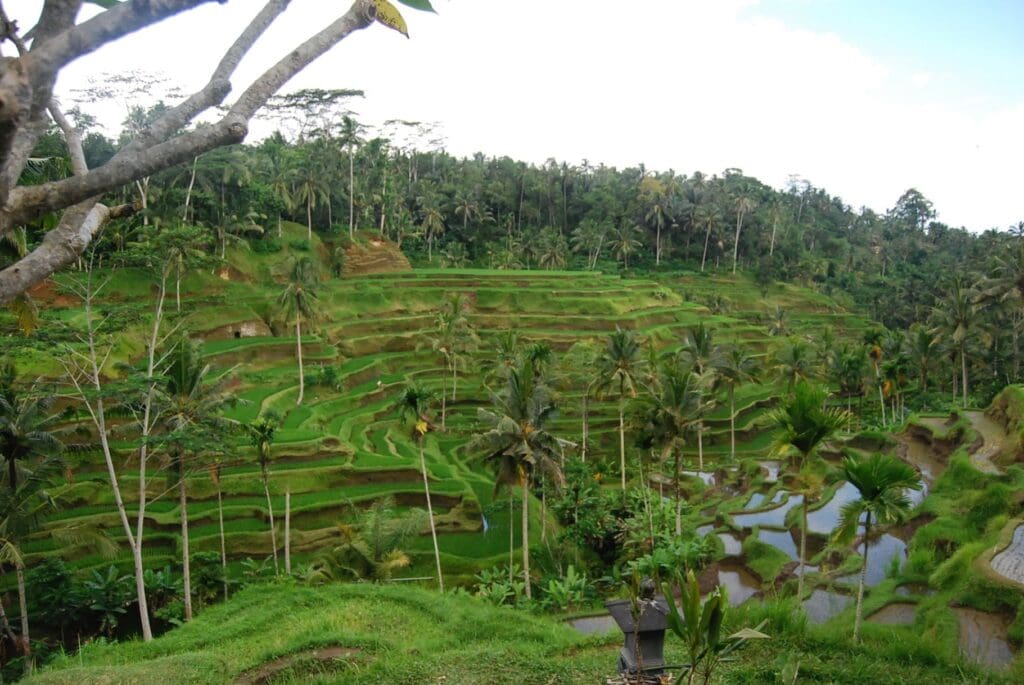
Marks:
<point>903,268</point>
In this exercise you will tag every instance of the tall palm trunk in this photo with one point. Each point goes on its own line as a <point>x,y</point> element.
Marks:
<point>622,444</point>
<point>881,395</point>
<point>736,241</point>
<point>223,541</point>
<point>19,570</point>
<point>525,479</point>
<point>863,578</point>
<point>803,546</point>
<point>676,475</point>
<point>186,566</point>
<point>309,217</point>
<point>732,423</point>
<point>270,513</point>
<point>188,193</point>
<point>657,246</point>
<point>700,446</point>
<point>351,195</point>
<point>707,239</point>
<point>444,390</point>
<point>298,354</point>
<point>963,370</point>
<point>775,226</point>
<point>430,514</point>
<point>288,531</point>
<point>585,428</point>
<point>511,536</point>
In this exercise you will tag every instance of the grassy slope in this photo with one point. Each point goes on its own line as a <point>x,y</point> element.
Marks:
<point>407,635</point>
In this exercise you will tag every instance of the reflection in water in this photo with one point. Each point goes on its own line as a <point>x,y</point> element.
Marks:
<point>881,551</point>
<point>825,519</point>
<point>594,625</point>
<point>733,546</point>
<point>741,583</point>
<point>705,529</point>
<point>983,638</point>
<point>707,478</point>
<point>781,540</point>
<point>897,614</point>
<point>823,605</point>
<point>756,500</point>
<point>775,518</point>
<point>771,471</point>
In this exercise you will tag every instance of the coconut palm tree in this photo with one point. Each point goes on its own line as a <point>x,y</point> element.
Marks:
<point>261,434</point>
<point>792,363</point>
<point>618,370</point>
<point>311,191</point>
<point>413,406</point>
<point>668,415</point>
<point>699,351</point>
<point>432,224</point>
<point>348,137</point>
<point>924,350</point>
<point>882,482</point>
<point>516,441</point>
<point>956,317</point>
<point>744,205</point>
<point>191,418</point>
<point>625,241</point>
<point>802,425</point>
<point>707,217</point>
<point>298,302</point>
<point>28,429</point>
<point>735,367</point>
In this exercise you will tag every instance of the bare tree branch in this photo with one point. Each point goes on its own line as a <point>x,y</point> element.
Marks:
<point>150,153</point>
<point>28,202</point>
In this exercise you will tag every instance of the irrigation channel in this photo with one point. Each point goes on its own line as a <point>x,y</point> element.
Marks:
<point>766,515</point>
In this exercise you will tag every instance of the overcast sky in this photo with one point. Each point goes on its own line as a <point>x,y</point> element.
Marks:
<point>865,98</point>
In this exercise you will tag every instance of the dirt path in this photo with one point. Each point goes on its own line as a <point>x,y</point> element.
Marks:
<point>994,438</point>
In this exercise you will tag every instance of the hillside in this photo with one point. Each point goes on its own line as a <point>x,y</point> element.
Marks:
<point>371,634</point>
<point>344,445</point>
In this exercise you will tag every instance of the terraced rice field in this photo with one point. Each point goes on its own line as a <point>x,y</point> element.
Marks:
<point>344,447</point>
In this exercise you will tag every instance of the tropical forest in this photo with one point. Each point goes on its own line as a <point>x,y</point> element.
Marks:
<point>338,405</point>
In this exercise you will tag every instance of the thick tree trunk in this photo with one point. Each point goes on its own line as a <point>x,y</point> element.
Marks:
<point>273,531</point>
<point>430,515</point>
<point>298,355</point>
<point>526,533</point>
<point>19,570</point>
<point>858,615</point>
<point>288,531</point>
<point>186,565</point>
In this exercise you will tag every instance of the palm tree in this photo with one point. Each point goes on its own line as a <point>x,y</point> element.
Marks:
<point>413,405</point>
<point>261,435</point>
<point>802,425</point>
<point>28,429</point>
<point>348,137</point>
<point>191,417</point>
<point>699,351</point>
<point>668,414</point>
<point>517,443</point>
<point>619,368</point>
<point>923,348</point>
<point>707,217</point>
<point>882,482</point>
<point>792,363</point>
<point>298,301</point>
<point>433,226</point>
<point>744,205</point>
<point>625,242</point>
<point>955,317</point>
<point>735,367</point>
<point>311,191</point>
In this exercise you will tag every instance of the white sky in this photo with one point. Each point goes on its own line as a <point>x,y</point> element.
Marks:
<point>682,84</point>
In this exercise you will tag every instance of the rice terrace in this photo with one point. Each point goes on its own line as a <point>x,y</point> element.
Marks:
<point>328,402</point>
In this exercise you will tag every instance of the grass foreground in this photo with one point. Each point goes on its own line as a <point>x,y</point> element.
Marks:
<point>361,633</point>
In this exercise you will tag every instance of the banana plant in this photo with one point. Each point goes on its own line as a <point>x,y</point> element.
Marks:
<point>699,625</point>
